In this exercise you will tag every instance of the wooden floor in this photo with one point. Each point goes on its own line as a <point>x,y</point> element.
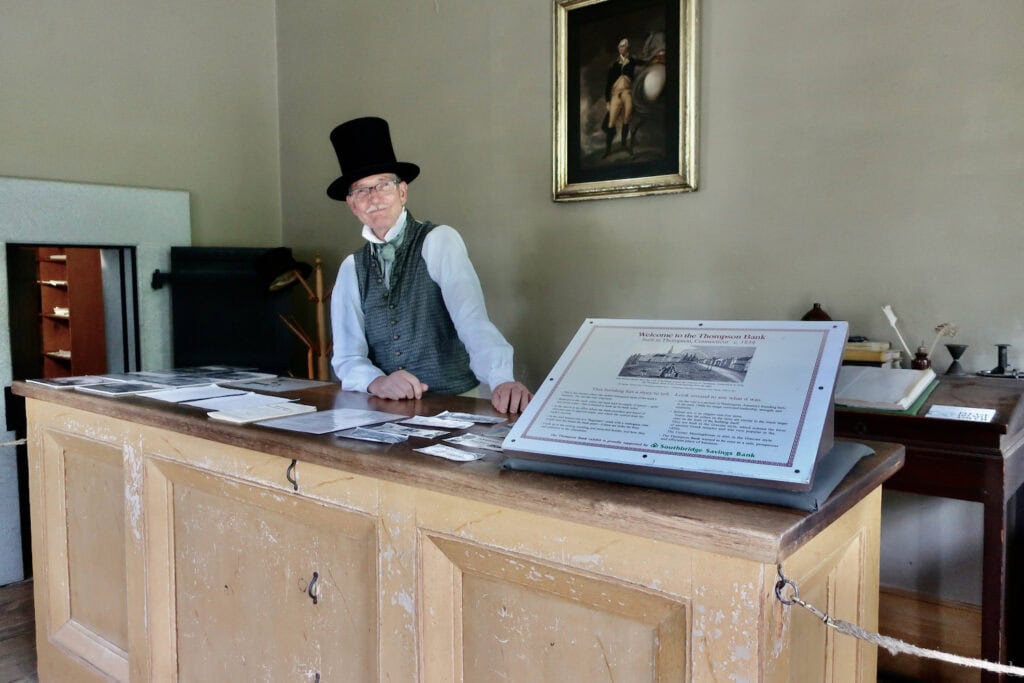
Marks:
<point>17,634</point>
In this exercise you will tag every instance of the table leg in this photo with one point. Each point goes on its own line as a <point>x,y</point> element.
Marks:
<point>993,581</point>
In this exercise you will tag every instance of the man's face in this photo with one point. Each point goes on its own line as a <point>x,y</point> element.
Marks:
<point>380,207</point>
<point>623,47</point>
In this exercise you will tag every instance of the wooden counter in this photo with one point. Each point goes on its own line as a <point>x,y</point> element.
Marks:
<point>168,546</point>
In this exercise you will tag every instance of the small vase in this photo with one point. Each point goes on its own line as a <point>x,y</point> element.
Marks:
<point>955,351</point>
<point>816,313</point>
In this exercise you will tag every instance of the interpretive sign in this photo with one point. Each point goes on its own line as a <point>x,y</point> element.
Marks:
<point>746,401</point>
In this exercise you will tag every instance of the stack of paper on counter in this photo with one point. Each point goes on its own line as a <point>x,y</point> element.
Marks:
<point>119,388</point>
<point>336,420</point>
<point>249,399</point>
<point>881,388</point>
<point>67,382</point>
<point>267,411</point>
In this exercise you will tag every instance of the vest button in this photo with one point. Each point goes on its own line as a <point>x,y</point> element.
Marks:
<point>393,322</point>
<point>380,280</point>
<point>398,353</point>
<point>397,337</point>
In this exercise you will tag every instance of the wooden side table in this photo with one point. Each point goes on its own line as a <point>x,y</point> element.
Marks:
<point>971,461</point>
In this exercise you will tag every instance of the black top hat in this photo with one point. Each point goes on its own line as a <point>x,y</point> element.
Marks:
<point>364,148</point>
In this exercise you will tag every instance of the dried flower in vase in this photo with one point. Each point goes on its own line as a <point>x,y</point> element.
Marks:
<point>942,330</point>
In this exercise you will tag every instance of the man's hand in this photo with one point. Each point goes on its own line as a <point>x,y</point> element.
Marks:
<point>398,385</point>
<point>510,397</point>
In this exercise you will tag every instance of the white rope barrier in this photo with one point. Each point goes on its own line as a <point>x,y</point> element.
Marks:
<point>893,645</point>
<point>19,442</point>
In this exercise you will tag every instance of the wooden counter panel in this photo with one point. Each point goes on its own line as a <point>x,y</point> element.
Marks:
<point>94,500</point>
<point>79,557</point>
<point>244,564</point>
<point>718,610</point>
<point>518,619</point>
<point>731,527</point>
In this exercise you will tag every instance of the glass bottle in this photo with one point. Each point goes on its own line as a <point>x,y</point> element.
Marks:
<point>816,313</point>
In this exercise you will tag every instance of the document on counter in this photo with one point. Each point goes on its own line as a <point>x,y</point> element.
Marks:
<point>476,441</point>
<point>499,431</point>
<point>442,422</point>
<point>736,400</point>
<point>67,382</point>
<point>186,394</point>
<point>238,401</point>
<point>327,421</point>
<point>481,419</point>
<point>449,453</point>
<point>119,388</point>
<point>409,430</point>
<point>278,384</point>
<point>372,434</point>
<point>263,413</point>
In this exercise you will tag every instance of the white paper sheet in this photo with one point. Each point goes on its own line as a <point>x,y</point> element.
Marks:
<point>186,394</point>
<point>326,421</point>
<point>449,453</point>
<point>238,401</point>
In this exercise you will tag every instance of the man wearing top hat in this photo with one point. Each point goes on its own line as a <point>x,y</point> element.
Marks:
<point>407,312</point>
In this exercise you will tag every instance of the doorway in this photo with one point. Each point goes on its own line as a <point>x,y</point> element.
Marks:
<point>72,310</point>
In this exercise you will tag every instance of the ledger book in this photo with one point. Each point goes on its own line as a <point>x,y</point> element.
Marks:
<point>881,388</point>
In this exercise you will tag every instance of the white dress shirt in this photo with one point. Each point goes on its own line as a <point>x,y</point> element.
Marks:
<point>490,355</point>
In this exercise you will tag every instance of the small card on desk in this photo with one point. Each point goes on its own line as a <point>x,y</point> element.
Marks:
<point>962,413</point>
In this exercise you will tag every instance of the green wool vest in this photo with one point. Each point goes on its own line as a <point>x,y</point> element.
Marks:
<point>407,324</point>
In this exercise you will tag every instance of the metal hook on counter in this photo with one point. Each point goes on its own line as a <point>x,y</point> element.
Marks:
<point>289,474</point>
<point>312,587</point>
<point>781,584</point>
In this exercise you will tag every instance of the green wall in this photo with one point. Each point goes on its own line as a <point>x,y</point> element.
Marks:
<point>170,95</point>
<point>852,153</point>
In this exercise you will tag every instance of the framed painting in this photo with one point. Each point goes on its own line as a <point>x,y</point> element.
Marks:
<point>625,113</point>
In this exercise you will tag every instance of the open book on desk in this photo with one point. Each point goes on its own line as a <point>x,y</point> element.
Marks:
<point>881,388</point>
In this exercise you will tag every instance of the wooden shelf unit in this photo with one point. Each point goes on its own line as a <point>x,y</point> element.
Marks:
<point>71,279</point>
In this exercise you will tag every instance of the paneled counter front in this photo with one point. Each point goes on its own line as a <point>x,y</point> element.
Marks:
<point>168,546</point>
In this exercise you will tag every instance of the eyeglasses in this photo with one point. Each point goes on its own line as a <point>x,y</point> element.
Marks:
<point>383,187</point>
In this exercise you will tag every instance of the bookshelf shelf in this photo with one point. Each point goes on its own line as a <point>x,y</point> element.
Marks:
<point>70,280</point>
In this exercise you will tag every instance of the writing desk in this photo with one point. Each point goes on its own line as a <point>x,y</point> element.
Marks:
<point>974,461</point>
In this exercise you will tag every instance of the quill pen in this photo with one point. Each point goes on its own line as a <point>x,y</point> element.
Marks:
<point>887,309</point>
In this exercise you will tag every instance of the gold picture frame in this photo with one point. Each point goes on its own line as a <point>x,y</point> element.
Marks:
<point>625,114</point>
